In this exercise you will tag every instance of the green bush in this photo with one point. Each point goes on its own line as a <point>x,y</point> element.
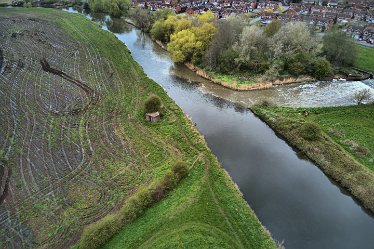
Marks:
<point>135,205</point>
<point>115,8</point>
<point>153,104</point>
<point>339,48</point>
<point>266,103</point>
<point>296,68</point>
<point>311,131</point>
<point>180,170</point>
<point>100,232</point>
<point>321,68</point>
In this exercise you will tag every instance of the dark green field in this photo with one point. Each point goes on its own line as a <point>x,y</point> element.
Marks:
<point>80,146</point>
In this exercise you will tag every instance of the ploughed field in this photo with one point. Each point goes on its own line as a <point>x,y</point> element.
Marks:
<point>74,144</point>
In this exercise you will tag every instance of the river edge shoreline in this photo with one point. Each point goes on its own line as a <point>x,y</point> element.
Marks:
<point>215,165</point>
<point>236,87</point>
<point>303,79</point>
<point>333,160</point>
<point>352,188</point>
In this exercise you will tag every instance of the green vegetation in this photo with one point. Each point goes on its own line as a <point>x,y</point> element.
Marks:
<point>277,52</point>
<point>188,38</point>
<point>153,104</point>
<point>120,152</point>
<point>114,8</point>
<point>344,149</point>
<point>365,58</point>
<point>339,48</point>
<point>99,233</point>
<point>311,131</point>
<point>145,19</point>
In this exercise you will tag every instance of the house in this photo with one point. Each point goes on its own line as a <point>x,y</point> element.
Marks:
<point>333,3</point>
<point>152,117</point>
<point>368,34</point>
<point>355,31</point>
<point>359,15</point>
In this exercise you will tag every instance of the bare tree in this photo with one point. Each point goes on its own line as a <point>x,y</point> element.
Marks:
<point>362,96</point>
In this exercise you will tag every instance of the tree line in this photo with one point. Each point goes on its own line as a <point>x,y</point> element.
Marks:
<point>235,45</point>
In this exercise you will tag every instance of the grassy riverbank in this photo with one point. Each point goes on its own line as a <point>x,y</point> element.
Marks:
<point>365,58</point>
<point>344,150</point>
<point>120,151</point>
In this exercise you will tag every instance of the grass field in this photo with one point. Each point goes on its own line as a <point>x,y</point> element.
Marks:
<point>78,145</point>
<point>346,150</point>
<point>365,58</point>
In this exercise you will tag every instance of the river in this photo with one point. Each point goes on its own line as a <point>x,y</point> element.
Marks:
<point>291,196</point>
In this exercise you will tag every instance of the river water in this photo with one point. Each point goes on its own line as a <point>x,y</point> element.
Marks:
<point>291,196</point>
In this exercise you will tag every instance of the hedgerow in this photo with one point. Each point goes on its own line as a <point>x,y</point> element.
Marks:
<point>97,234</point>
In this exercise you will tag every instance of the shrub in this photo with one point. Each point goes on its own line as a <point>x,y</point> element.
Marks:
<point>362,96</point>
<point>296,68</point>
<point>135,205</point>
<point>321,68</point>
<point>311,132</point>
<point>180,170</point>
<point>100,232</point>
<point>153,104</point>
<point>266,103</point>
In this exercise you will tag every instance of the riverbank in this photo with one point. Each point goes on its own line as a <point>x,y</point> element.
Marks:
<point>231,81</point>
<point>246,86</point>
<point>344,151</point>
<point>121,151</point>
<point>272,177</point>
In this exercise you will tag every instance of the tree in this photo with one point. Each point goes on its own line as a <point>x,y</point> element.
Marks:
<point>227,34</point>
<point>272,28</point>
<point>183,24</point>
<point>361,96</point>
<point>115,8</point>
<point>207,17</point>
<point>293,47</point>
<point>182,45</point>
<point>142,18</point>
<point>162,14</point>
<point>191,44</point>
<point>252,49</point>
<point>158,31</point>
<point>163,29</point>
<point>339,48</point>
<point>153,104</point>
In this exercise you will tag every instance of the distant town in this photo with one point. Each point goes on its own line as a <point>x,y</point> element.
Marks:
<point>354,17</point>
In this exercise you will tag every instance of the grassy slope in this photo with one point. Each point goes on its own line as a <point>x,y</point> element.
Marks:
<point>346,152</point>
<point>206,210</point>
<point>365,58</point>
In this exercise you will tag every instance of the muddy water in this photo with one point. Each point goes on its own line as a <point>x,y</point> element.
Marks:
<point>290,195</point>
